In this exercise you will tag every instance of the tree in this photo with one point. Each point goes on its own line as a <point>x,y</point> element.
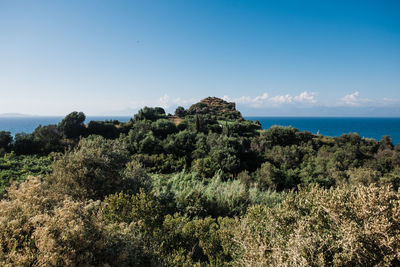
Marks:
<point>181,144</point>
<point>72,125</point>
<point>277,135</point>
<point>180,112</point>
<point>268,176</point>
<point>151,114</point>
<point>5,141</point>
<point>386,143</point>
<point>163,127</point>
<point>25,144</point>
<point>48,138</point>
<point>105,129</point>
<point>224,151</point>
<point>92,170</point>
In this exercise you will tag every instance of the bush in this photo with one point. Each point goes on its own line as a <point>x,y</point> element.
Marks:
<point>160,163</point>
<point>141,208</point>
<point>40,228</point>
<point>92,170</point>
<point>18,168</point>
<point>345,226</point>
<point>186,242</point>
<point>194,196</point>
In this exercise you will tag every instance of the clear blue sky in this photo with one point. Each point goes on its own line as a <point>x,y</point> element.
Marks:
<point>271,57</point>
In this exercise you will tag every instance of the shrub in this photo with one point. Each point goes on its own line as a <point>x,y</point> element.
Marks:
<point>91,170</point>
<point>345,226</point>
<point>41,228</point>
<point>141,208</point>
<point>18,168</point>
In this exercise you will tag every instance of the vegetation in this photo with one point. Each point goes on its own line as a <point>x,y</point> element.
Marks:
<point>18,168</point>
<point>201,188</point>
<point>216,108</point>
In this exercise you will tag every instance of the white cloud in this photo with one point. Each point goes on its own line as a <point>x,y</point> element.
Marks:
<point>306,97</point>
<point>354,100</point>
<point>167,102</point>
<point>281,99</point>
<point>265,99</point>
<point>351,99</point>
<point>390,101</point>
<point>261,97</point>
<point>253,101</point>
<point>164,101</point>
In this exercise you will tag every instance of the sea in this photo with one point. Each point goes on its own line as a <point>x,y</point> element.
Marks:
<point>335,126</point>
<point>330,126</point>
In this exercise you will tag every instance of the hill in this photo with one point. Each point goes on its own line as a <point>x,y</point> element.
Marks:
<point>216,107</point>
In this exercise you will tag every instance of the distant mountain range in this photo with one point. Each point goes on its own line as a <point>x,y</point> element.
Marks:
<point>14,115</point>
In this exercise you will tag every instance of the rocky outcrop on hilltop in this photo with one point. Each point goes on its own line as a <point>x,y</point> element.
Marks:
<point>217,108</point>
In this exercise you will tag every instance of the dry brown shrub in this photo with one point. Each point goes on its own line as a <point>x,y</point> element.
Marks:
<point>346,226</point>
<point>42,228</point>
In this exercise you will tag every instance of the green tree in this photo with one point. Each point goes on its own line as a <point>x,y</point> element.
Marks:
<point>268,176</point>
<point>5,141</point>
<point>105,129</point>
<point>49,138</point>
<point>92,170</point>
<point>151,114</point>
<point>225,150</point>
<point>72,125</point>
<point>163,127</point>
<point>180,112</point>
<point>25,144</point>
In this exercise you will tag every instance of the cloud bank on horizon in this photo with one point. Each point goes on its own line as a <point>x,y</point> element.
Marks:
<point>264,99</point>
<point>305,103</point>
<point>302,104</point>
<point>305,98</point>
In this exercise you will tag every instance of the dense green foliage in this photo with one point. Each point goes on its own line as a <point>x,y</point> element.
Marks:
<point>215,107</point>
<point>5,142</point>
<point>18,168</point>
<point>198,188</point>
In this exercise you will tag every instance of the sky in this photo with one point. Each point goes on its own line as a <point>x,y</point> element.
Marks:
<point>273,58</point>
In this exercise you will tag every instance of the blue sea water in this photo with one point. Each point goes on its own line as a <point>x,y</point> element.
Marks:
<point>29,124</point>
<point>330,126</point>
<point>365,127</point>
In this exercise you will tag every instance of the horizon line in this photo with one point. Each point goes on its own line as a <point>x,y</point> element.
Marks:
<point>18,115</point>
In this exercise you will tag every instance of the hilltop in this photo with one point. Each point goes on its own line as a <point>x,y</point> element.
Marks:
<point>216,107</point>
